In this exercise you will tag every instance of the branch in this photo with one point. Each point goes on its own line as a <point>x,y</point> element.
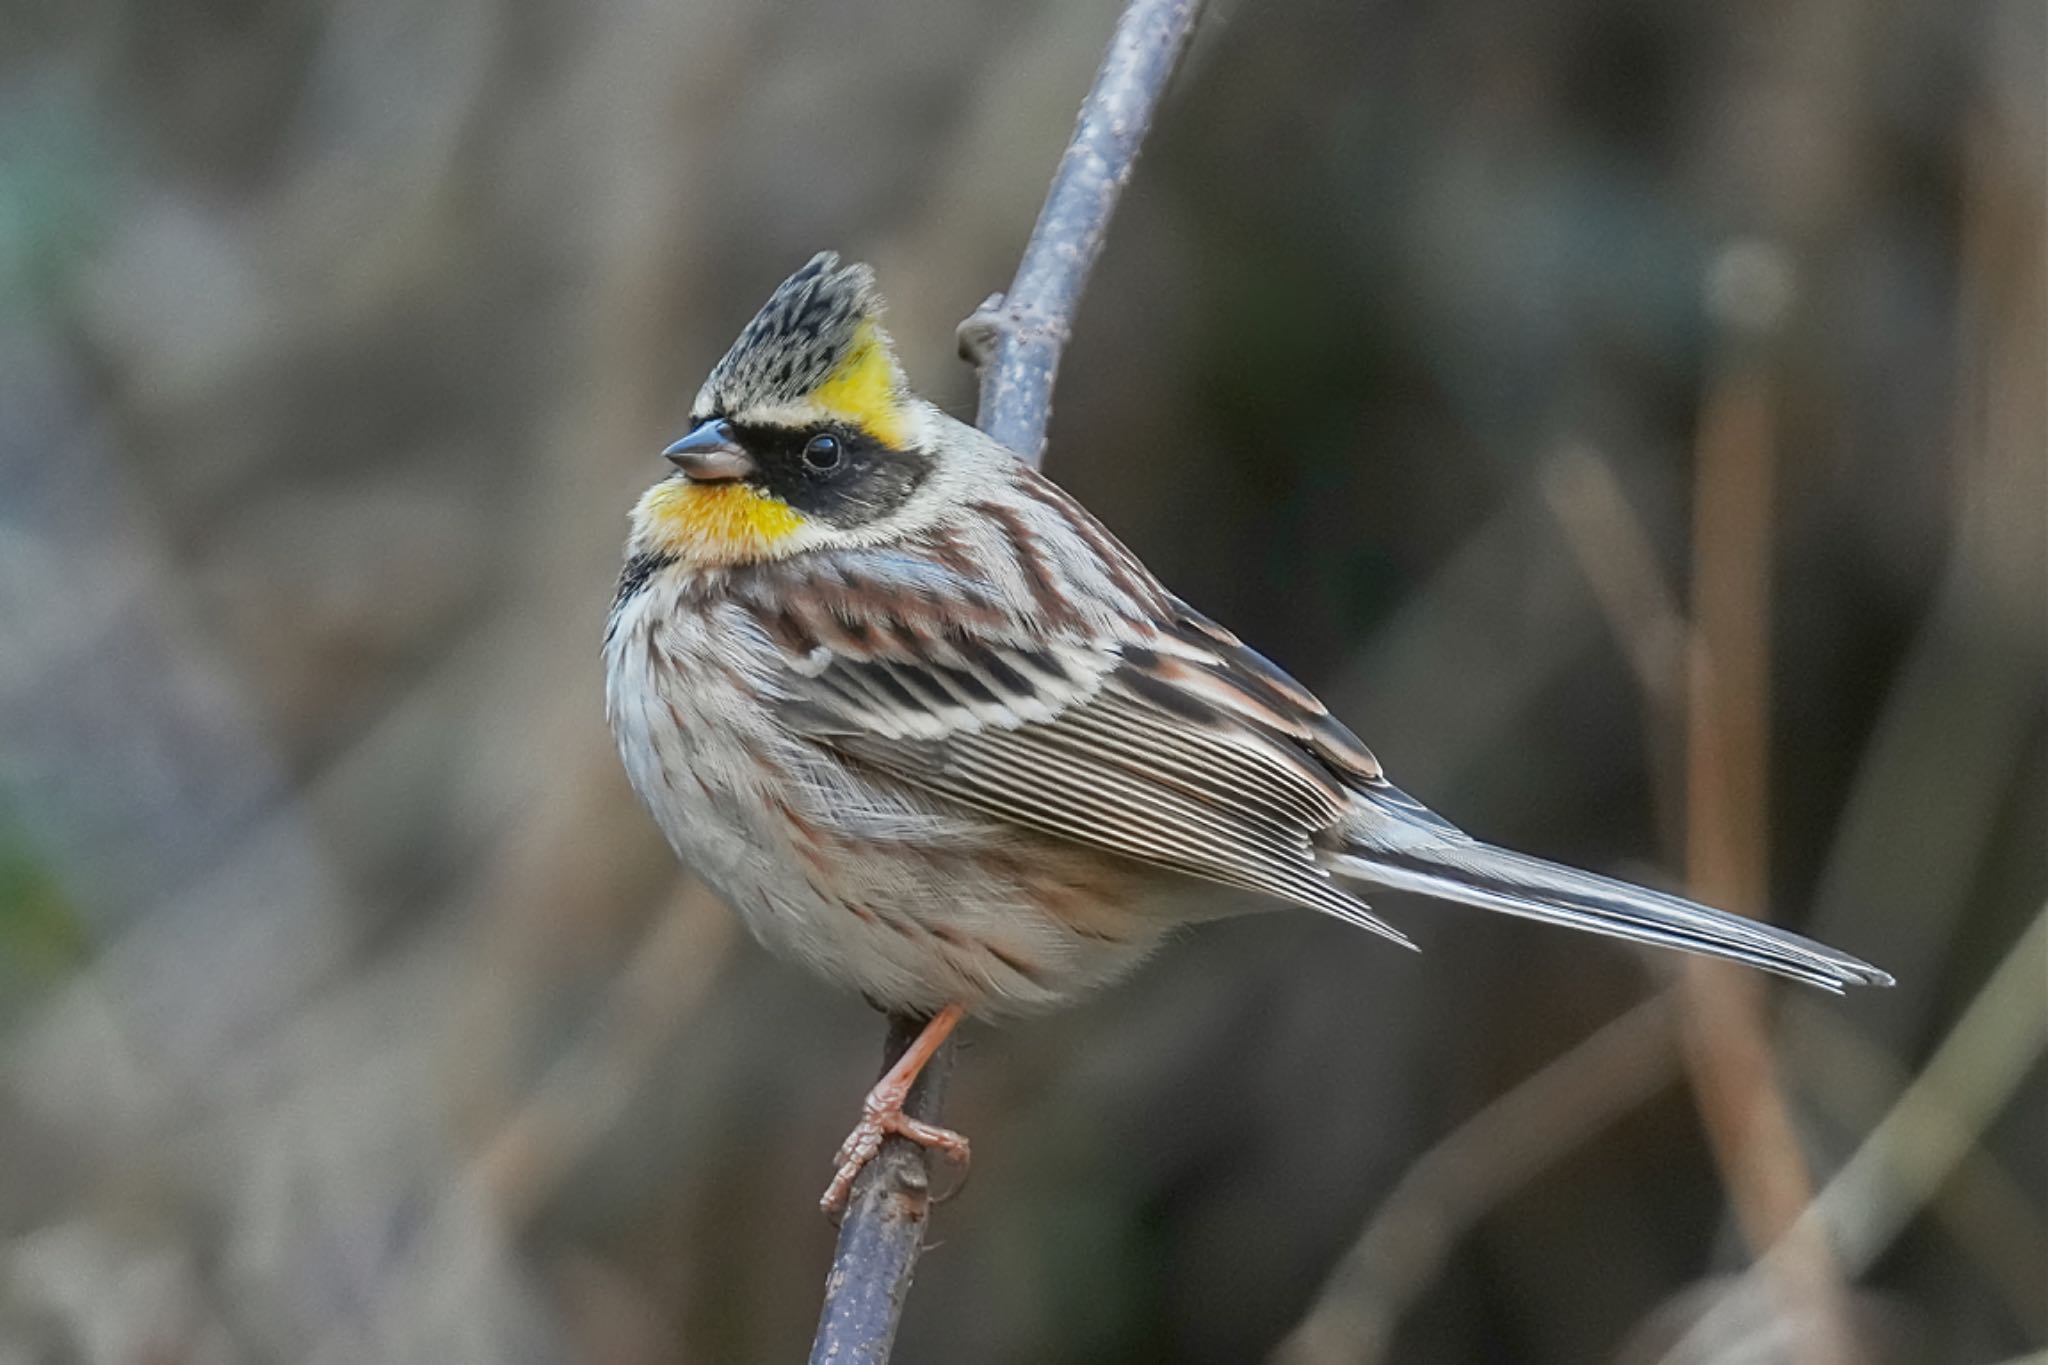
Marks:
<point>1015,341</point>
<point>883,1230</point>
<point>1970,1078</point>
<point>1514,1139</point>
<point>1916,1146</point>
<point>1748,1120</point>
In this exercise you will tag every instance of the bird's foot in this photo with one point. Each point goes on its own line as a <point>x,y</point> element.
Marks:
<point>881,1115</point>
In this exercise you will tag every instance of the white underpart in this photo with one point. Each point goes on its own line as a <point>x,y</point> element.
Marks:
<point>677,673</point>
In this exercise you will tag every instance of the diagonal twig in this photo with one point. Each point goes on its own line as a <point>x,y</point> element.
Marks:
<point>1912,1151</point>
<point>1015,340</point>
<point>1451,1187</point>
<point>2003,1031</point>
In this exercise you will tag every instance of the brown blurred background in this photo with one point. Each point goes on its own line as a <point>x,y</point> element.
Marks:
<point>1462,354</point>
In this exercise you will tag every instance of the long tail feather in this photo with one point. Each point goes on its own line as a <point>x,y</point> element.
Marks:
<point>1405,847</point>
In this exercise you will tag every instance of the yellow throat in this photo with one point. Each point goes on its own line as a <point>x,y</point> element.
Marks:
<point>714,523</point>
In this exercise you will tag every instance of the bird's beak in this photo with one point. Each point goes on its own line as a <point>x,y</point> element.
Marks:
<point>712,454</point>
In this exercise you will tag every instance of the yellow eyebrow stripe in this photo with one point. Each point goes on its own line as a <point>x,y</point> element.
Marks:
<point>865,387</point>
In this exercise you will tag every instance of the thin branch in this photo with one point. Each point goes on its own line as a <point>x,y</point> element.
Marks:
<point>1982,1204</point>
<point>1972,1075</point>
<point>883,1230</point>
<point>1615,553</point>
<point>1900,1166</point>
<point>579,1098</point>
<point>1713,671</point>
<point>1749,1125</point>
<point>1015,340</point>
<point>1510,1142</point>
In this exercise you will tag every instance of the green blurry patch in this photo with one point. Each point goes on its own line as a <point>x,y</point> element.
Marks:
<point>1084,1271</point>
<point>43,938</point>
<point>54,174</point>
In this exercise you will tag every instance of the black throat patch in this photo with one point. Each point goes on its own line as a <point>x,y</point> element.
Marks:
<point>633,578</point>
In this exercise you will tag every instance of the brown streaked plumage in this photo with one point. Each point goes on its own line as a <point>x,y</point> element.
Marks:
<point>950,743</point>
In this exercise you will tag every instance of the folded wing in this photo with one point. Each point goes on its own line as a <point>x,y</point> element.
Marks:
<point>1151,747</point>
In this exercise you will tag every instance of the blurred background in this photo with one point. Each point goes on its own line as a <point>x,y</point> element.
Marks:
<point>1630,416</point>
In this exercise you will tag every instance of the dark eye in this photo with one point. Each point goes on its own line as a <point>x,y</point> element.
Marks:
<point>821,452</point>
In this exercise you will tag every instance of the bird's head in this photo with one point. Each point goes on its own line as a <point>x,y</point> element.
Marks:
<point>805,435</point>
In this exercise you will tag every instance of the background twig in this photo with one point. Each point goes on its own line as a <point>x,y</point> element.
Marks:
<point>1015,340</point>
<point>1904,1161</point>
<point>1728,1052</point>
<point>1458,1181</point>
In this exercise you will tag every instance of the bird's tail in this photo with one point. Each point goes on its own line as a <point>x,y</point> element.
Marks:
<point>1398,843</point>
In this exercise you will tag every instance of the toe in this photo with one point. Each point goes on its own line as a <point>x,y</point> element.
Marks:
<point>932,1137</point>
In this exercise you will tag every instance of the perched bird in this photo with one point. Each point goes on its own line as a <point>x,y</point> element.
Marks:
<point>933,732</point>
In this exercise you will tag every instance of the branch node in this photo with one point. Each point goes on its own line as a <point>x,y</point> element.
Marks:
<point>979,332</point>
<point>988,329</point>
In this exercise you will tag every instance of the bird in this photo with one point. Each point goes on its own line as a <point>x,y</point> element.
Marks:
<point>934,733</point>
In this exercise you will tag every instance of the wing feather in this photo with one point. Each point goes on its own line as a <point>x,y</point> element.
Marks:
<point>1147,744</point>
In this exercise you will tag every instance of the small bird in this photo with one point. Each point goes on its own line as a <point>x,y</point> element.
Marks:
<point>936,734</point>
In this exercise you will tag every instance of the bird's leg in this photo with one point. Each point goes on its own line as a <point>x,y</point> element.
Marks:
<point>882,1113</point>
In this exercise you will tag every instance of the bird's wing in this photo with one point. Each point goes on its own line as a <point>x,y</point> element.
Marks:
<point>1151,732</point>
<point>1163,739</point>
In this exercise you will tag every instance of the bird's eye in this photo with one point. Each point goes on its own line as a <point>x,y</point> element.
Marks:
<point>821,452</point>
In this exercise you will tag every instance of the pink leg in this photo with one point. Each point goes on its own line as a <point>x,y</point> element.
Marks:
<point>882,1114</point>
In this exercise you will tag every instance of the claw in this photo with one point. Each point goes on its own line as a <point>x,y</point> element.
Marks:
<point>882,1116</point>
